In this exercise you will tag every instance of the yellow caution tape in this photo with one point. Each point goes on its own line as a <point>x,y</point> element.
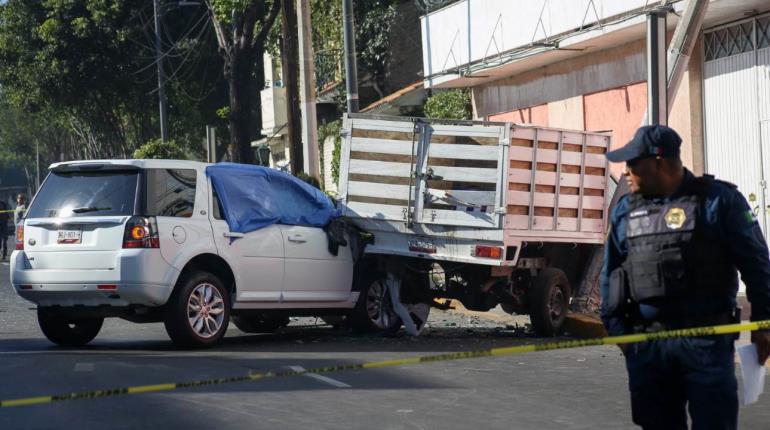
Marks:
<point>493,352</point>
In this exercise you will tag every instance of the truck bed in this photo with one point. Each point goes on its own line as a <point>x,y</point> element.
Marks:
<point>437,189</point>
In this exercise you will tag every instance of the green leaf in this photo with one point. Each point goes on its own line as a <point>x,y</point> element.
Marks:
<point>452,104</point>
<point>156,149</point>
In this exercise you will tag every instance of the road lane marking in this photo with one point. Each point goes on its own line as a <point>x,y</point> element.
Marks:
<point>84,367</point>
<point>321,378</point>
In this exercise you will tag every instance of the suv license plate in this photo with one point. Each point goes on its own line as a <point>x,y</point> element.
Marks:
<point>69,236</point>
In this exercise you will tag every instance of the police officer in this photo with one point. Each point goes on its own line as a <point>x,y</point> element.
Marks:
<point>20,210</point>
<point>671,261</point>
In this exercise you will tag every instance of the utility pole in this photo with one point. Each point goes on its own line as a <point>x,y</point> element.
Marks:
<point>657,101</point>
<point>211,144</point>
<point>351,72</point>
<point>307,91</point>
<point>289,60</point>
<point>161,83</point>
<point>37,165</point>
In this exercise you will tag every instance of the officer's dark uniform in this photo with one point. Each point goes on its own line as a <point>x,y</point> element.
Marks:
<point>672,262</point>
<point>4,217</point>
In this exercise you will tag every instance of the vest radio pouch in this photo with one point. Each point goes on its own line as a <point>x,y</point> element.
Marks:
<point>617,294</point>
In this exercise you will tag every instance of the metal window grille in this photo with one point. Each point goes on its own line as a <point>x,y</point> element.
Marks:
<point>727,41</point>
<point>763,32</point>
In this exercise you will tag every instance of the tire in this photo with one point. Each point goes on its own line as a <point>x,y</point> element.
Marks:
<point>198,311</point>
<point>68,331</point>
<point>549,302</point>
<point>374,310</point>
<point>259,324</point>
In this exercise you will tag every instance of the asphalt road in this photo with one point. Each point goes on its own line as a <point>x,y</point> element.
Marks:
<point>568,389</point>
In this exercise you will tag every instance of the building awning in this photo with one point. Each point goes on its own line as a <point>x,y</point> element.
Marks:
<point>410,96</point>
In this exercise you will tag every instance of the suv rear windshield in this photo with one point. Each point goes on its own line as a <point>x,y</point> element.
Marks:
<point>75,194</point>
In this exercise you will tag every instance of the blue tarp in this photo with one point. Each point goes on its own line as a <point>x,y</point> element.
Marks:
<point>254,197</point>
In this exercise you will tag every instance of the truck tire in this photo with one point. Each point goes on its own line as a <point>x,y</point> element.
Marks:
<point>549,302</point>
<point>374,311</point>
<point>259,323</point>
<point>198,311</point>
<point>67,331</point>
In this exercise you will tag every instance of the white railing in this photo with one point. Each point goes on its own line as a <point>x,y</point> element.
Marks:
<point>473,31</point>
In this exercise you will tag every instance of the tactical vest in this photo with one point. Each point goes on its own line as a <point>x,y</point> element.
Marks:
<point>671,255</point>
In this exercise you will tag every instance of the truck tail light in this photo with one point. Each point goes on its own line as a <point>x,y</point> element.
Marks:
<point>141,232</point>
<point>20,236</point>
<point>495,252</point>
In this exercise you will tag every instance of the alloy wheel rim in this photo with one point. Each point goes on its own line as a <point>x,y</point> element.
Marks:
<point>205,310</point>
<point>379,307</point>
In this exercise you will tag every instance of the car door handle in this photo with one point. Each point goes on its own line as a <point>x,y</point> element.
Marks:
<point>233,234</point>
<point>297,238</point>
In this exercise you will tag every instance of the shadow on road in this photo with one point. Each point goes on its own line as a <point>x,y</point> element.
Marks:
<point>317,339</point>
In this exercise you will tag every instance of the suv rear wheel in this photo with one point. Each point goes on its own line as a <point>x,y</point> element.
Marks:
<point>198,312</point>
<point>67,331</point>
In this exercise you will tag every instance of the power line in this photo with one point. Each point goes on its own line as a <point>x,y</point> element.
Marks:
<point>174,47</point>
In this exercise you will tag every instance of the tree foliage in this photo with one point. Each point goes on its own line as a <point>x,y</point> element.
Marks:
<point>331,130</point>
<point>451,104</point>
<point>78,78</point>
<point>373,22</point>
<point>77,60</point>
<point>159,150</point>
<point>242,28</point>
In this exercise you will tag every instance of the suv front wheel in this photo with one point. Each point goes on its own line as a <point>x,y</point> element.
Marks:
<point>67,331</point>
<point>198,312</point>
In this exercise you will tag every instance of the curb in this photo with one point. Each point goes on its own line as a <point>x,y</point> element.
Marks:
<point>584,326</point>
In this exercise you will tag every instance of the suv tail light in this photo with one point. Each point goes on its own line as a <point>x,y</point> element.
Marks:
<point>20,236</point>
<point>141,232</point>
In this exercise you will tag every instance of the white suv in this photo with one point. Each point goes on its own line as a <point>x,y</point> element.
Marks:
<point>144,240</point>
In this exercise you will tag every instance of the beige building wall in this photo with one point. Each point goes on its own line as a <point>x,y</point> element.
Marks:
<point>567,113</point>
<point>686,114</point>
<point>595,71</point>
<point>564,86</point>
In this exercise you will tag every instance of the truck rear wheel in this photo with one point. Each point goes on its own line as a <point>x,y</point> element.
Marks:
<point>198,312</point>
<point>549,302</point>
<point>374,310</point>
<point>66,331</point>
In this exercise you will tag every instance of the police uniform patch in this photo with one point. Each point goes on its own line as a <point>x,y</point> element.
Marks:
<point>750,217</point>
<point>675,218</point>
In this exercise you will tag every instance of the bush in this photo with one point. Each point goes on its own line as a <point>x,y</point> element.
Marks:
<point>332,129</point>
<point>309,179</point>
<point>452,104</point>
<point>158,150</point>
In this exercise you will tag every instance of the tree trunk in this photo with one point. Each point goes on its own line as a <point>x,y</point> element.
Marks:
<point>290,72</point>
<point>259,85</point>
<point>241,93</point>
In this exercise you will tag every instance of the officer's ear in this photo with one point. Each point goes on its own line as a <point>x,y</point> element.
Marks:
<point>659,163</point>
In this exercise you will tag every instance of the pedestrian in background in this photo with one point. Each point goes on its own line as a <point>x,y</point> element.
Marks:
<point>4,218</point>
<point>21,209</point>
<point>672,258</point>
